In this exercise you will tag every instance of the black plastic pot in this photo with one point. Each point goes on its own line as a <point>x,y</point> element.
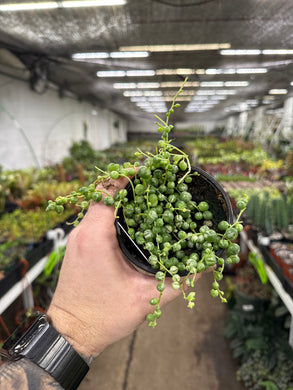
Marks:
<point>204,187</point>
<point>249,305</point>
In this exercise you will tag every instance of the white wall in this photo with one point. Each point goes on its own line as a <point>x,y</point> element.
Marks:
<point>37,130</point>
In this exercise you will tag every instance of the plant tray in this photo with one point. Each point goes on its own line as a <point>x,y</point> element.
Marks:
<point>38,251</point>
<point>67,225</point>
<point>11,277</point>
<point>269,259</point>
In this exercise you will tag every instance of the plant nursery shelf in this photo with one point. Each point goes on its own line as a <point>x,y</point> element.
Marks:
<point>275,281</point>
<point>23,286</point>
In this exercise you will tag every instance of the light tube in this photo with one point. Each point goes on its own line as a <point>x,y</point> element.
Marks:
<point>28,6</point>
<point>129,54</point>
<point>183,47</point>
<point>277,51</point>
<point>91,3</point>
<point>240,52</point>
<point>58,4</point>
<point>111,73</point>
<point>278,91</point>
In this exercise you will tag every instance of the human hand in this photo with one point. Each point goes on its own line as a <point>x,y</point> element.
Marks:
<point>100,297</point>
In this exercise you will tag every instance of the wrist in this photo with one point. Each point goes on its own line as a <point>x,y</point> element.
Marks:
<point>74,331</point>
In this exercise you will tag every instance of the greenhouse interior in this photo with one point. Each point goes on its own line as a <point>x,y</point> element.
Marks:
<point>146,154</point>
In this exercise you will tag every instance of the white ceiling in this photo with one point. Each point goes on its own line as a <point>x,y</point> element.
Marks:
<point>45,40</point>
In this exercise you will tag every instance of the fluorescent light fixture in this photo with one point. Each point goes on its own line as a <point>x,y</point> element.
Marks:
<point>212,84</point>
<point>129,54</point>
<point>137,99</point>
<point>174,84</point>
<point>251,70</point>
<point>236,70</point>
<point>219,97</point>
<point>199,98</point>
<point>156,99</point>
<point>124,85</point>
<point>28,6</point>
<point>278,51</point>
<point>135,85</point>
<point>184,47</point>
<point>114,54</point>
<point>220,71</point>
<point>213,71</point>
<point>142,93</point>
<point>241,52</point>
<point>111,73</point>
<point>236,83</point>
<point>128,73</point>
<point>211,102</point>
<point>91,3</point>
<point>143,104</point>
<point>255,52</point>
<point>132,93</point>
<point>58,4</point>
<point>291,83</point>
<point>179,71</point>
<point>226,92</point>
<point>152,93</point>
<point>278,91</point>
<point>179,98</point>
<point>183,93</point>
<point>140,73</point>
<point>152,99</point>
<point>205,92</point>
<point>209,92</point>
<point>147,85</point>
<point>156,109</point>
<point>89,56</point>
<point>196,109</point>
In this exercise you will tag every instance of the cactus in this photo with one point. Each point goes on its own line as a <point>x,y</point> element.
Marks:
<point>269,218</point>
<point>252,206</point>
<point>281,216</point>
<point>290,209</point>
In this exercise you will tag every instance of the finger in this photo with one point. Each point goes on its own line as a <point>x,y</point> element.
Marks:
<point>111,186</point>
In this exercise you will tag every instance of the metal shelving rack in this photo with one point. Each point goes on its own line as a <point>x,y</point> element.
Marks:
<point>24,285</point>
<point>286,298</point>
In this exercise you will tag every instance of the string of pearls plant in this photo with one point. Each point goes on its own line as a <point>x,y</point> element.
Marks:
<point>174,231</point>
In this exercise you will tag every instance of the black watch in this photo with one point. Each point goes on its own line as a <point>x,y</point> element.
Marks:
<point>37,340</point>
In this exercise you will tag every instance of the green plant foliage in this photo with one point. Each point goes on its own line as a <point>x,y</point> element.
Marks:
<point>256,373</point>
<point>54,258</point>
<point>234,178</point>
<point>178,234</point>
<point>9,252</point>
<point>27,226</point>
<point>40,192</point>
<point>269,385</point>
<point>261,345</point>
<point>258,264</point>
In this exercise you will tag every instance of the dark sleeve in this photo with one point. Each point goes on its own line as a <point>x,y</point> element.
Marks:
<point>25,375</point>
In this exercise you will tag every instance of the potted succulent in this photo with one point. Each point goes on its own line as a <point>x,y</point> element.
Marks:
<point>172,220</point>
<point>252,290</point>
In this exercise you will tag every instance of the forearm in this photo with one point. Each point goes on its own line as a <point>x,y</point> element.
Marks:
<point>25,375</point>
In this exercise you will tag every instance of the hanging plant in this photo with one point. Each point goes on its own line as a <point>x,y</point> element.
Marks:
<point>178,218</point>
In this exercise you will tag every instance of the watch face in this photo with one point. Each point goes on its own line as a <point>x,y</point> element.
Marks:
<point>22,335</point>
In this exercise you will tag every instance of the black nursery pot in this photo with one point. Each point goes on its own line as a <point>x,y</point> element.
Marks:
<point>203,187</point>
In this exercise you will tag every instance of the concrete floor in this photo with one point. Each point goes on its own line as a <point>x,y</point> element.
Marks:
<point>186,350</point>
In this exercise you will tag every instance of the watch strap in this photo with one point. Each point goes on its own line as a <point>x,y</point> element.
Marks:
<point>51,351</point>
